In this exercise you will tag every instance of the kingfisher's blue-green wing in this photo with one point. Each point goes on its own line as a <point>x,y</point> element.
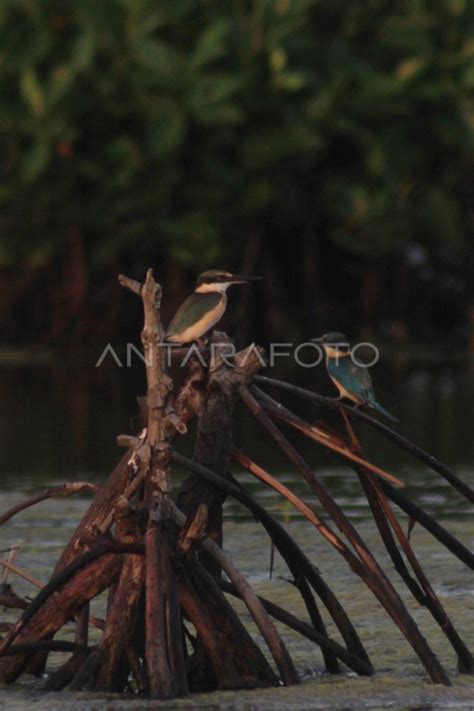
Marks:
<point>356,381</point>
<point>353,378</point>
<point>197,308</point>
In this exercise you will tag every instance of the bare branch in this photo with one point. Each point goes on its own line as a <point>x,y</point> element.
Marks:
<point>134,286</point>
<point>268,630</point>
<point>351,660</point>
<point>388,432</point>
<point>325,438</point>
<point>77,487</point>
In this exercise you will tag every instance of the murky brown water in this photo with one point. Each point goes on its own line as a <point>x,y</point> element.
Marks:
<point>400,681</point>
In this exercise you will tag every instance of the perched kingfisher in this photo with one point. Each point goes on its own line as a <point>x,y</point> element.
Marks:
<point>204,307</point>
<point>352,380</point>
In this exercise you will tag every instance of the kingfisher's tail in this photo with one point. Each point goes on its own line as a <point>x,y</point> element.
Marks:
<point>377,406</point>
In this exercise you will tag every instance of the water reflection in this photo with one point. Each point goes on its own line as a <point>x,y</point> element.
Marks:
<point>59,423</point>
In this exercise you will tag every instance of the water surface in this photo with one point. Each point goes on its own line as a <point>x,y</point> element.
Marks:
<point>60,423</point>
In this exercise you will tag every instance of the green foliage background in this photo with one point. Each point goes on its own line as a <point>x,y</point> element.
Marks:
<point>187,132</point>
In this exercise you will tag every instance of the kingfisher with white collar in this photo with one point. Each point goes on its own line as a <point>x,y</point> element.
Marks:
<point>351,379</point>
<point>204,307</point>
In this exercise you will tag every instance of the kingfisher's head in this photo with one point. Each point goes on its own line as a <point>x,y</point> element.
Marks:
<point>334,343</point>
<point>218,280</point>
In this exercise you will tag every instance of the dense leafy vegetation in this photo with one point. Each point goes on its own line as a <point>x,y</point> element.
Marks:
<point>204,133</point>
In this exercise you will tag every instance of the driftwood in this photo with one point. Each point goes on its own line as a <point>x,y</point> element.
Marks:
<point>169,627</point>
<point>358,414</point>
<point>296,560</point>
<point>76,487</point>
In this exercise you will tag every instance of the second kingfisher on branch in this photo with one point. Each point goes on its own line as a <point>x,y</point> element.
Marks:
<point>351,378</point>
<point>204,307</point>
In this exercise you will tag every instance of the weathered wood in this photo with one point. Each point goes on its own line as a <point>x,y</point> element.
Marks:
<point>13,601</point>
<point>165,663</point>
<point>159,673</point>
<point>421,589</point>
<point>193,532</point>
<point>58,609</point>
<point>221,674</point>
<point>330,646</point>
<point>138,670</point>
<point>365,564</point>
<point>214,440</point>
<point>104,501</point>
<point>21,573</point>
<point>64,675</point>
<point>52,645</point>
<point>322,436</point>
<point>296,560</point>
<point>431,600</point>
<point>120,622</point>
<point>213,449</point>
<point>76,487</point>
<point>268,630</point>
<point>174,631</point>
<point>87,671</point>
<point>228,658</point>
<point>416,513</point>
<point>153,574</point>
<point>388,432</point>
<point>81,636</point>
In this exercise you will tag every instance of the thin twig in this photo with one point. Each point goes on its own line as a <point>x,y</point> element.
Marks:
<point>423,592</point>
<point>44,645</point>
<point>21,573</point>
<point>13,601</point>
<point>134,286</point>
<point>57,581</point>
<point>318,434</point>
<point>409,507</point>
<point>351,660</point>
<point>388,432</point>
<point>365,565</point>
<point>308,513</point>
<point>296,560</point>
<point>76,487</point>
<point>268,630</point>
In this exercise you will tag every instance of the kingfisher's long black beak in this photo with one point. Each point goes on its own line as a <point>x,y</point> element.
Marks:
<point>243,278</point>
<point>320,339</point>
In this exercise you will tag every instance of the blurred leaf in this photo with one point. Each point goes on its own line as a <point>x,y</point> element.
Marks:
<point>257,195</point>
<point>168,130</point>
<point>83,50</point>
<point>468,75</point>
<point>408,68</point>
<point>32,91</point>
<point>192,239</point>
<point>126,157</point>
<point>212,89</point>
<point>261,150</point>
<point>278,59</point>
<point>220,113</point>
<point>159,56</point>
<point>291,81</point>
<point>158,124</point>
<point>35,160</point>
<point>61,81</point>
<point>211,43</point>
<point>440,215</point>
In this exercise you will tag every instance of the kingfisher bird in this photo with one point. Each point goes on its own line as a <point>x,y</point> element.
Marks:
<point>204,307</point>
<point>351,379</point>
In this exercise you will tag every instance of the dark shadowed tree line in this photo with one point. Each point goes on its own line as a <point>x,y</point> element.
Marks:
<point>327,145</point>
